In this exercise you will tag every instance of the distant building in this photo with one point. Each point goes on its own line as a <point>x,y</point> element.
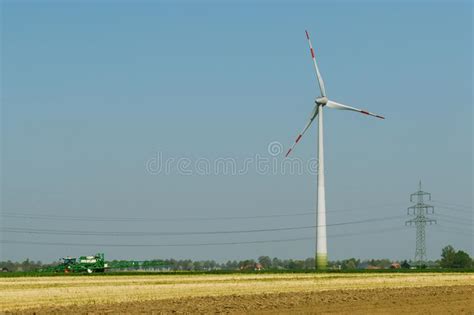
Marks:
<point>258,266</point>
<point>395,266</point>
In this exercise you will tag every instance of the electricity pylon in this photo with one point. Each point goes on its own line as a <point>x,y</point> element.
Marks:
<point>420,210</point>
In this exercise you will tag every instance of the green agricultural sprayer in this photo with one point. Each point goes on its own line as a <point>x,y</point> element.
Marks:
<point>87,264</point>
<point>97,263</point>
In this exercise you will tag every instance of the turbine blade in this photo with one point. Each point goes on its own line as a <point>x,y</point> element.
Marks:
<point>318,74</point>
<point>334,105</point>
<point>314,113</point>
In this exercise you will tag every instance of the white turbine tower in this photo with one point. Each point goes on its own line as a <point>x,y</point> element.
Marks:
<point>321,102</point>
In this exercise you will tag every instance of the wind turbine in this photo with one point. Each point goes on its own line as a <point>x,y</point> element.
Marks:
<point>321,102</point>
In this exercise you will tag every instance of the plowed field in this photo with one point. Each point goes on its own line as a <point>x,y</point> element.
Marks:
<point>432,293</point>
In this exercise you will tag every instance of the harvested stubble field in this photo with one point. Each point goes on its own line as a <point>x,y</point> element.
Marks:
<point>387,293</point>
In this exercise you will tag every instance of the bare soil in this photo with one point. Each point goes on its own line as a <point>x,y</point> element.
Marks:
<point>456,299</point>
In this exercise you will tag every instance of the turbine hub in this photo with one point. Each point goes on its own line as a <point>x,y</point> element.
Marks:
<point>322,100</point>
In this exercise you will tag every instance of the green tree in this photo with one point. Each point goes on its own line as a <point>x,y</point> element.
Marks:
<point>231,265</point>
<point>276,263</point>
<point>350,263</point>
<point>197,265</point>
<point>450,258</point>
<point>309,263</point>
<point>462,260</point>
<point>448,254</point>
<point>247,264</point>
<point>265,261</point>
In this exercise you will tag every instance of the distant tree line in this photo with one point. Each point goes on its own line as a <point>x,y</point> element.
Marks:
<point>263,262</point>
<point>27,265</point>
<point>450,258</point>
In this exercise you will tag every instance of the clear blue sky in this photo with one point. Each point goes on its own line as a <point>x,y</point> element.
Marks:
<point>91,91</point>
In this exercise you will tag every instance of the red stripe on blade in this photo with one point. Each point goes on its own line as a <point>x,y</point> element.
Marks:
<point>288,153</point>
<point>307,35</point>
<point>312,52</point>
<point>381,117</point>
<point>298,139</point>
<point>364,112</point>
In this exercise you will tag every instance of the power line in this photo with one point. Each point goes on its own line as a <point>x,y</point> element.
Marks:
<point>452,204</point>
<point>456,227</point>
<point>451,230</point>
<point>194,244</point>
<point>443,214</point>
<point>455,209</point>
<point>127,219</point>
<point>124,233</point>
<point>450,209</point>
<point>455,220</point>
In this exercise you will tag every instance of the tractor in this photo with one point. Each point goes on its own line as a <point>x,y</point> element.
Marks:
<point>89,264</point>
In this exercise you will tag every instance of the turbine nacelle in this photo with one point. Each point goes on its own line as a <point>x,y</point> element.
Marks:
<point>322,100</point>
